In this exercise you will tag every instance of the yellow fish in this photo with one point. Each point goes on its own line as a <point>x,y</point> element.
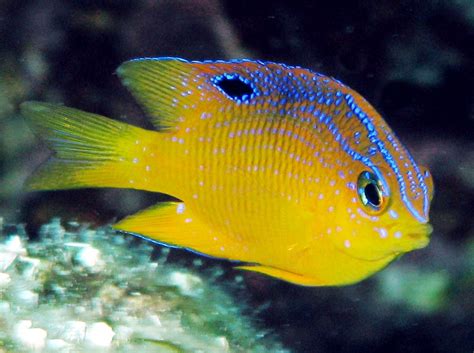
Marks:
<point>286,170</point>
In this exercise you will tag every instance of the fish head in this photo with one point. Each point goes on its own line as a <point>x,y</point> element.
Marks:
<point>385,211</point>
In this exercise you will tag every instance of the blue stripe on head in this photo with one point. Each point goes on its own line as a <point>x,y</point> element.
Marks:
<point>373,137</point>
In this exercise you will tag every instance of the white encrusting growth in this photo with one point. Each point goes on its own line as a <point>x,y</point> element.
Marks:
<point>32,338</point>
<point>99,334</point>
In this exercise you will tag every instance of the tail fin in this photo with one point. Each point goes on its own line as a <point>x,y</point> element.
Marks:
<point>90,150</point>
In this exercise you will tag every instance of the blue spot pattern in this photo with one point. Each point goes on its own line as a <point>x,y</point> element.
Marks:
<point>294,89</point>
<point>277,90</point>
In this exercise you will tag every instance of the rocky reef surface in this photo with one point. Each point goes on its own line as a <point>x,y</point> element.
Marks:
<point>77,289</point>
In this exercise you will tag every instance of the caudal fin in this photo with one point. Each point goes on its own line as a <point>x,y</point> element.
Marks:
<point>89,150</point>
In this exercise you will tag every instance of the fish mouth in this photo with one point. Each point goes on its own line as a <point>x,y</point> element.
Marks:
<point>421,235</point>
<point>413,237</point>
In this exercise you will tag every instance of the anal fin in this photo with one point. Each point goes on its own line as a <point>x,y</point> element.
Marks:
<point>283,275</point>
<point>171,223</point>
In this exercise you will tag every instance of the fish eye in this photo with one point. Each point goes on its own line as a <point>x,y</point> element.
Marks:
<point>370,191</point>
<point>234,86</point>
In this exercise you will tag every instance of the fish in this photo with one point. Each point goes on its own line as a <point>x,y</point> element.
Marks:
<point>281,170</point>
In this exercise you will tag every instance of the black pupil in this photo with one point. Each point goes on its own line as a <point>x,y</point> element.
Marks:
<point>372,194</point>
<point>235,88</point>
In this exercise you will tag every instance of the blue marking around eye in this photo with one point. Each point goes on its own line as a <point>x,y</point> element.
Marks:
<point>372,135</point>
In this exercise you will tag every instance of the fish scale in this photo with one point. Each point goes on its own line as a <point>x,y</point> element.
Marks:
<point>287,171</point>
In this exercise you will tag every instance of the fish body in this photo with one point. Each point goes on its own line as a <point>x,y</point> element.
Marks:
<point>287,171</point>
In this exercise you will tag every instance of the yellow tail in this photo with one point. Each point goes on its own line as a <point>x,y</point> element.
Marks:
<point>89,150</point>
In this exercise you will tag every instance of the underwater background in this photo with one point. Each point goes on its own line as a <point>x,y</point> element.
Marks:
<point>413,60</point>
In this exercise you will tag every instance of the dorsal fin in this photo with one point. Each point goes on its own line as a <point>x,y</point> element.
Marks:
<point>172,90</point>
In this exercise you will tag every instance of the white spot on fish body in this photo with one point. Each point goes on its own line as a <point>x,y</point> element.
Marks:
<point>382,232</point>
<point>347,243</point>
<point>397,234</point>
<point>351,186</point>
<point>135,160</point>
<point>393,214</point>
<point>180,208</point>
<point>188,220</point>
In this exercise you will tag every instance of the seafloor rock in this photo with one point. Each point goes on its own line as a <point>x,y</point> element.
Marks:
<point>84,290</point>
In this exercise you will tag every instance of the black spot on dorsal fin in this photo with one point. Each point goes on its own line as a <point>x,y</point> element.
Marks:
<point>234,86</point>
